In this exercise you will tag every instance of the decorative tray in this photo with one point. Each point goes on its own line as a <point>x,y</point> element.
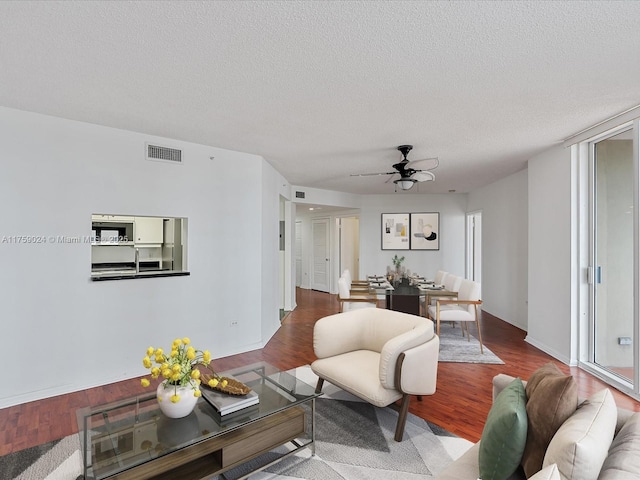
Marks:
<point>233,386</point>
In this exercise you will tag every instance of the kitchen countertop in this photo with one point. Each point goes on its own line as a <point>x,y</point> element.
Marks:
<point>124,275</point>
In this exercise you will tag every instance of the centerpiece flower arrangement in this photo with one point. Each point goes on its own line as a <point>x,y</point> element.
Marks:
<point>397,261</point>
<point>395,276</point>
<point>180,369</point>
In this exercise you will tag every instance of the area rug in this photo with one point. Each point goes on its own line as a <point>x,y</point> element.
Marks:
<point>57,460</point>
<point>454,347</point>
<point>354,441</point>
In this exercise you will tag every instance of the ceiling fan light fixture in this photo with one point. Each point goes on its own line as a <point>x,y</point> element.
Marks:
<point>423,176</point>
<point>405,183</point>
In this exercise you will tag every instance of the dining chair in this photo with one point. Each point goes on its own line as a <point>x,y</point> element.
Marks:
<point>440,276</point>
<point>348,301</point>
<point>354,284</point>
<point>451,284</point>
<point>463,309</point>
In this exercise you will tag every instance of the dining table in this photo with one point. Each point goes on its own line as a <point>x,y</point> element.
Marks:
<point>404,295</point>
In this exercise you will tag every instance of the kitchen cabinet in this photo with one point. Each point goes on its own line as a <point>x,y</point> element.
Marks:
<point>111,230</point>
<point>148,231</point>
<point>111,218</point>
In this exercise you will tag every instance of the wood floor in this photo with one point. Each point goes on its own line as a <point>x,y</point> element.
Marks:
<point>460,404</point>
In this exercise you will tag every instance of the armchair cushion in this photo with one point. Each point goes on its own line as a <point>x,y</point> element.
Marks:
<point>328,343</point>
<point>504,434</point>
<point>362,378</point>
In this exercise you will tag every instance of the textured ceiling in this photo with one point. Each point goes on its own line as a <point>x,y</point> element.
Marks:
<point>325,89</point>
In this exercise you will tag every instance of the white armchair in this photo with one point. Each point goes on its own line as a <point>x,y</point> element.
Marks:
<point>378,355</point>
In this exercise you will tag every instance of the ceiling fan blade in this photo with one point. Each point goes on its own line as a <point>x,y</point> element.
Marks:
<point>423,176</point>
<point>424,164</point>
<point>390,177</point>
<point>370,174</point>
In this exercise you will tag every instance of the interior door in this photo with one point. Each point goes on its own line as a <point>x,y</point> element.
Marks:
<point>320,258</point>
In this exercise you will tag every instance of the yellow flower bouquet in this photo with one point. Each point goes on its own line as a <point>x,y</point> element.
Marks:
<point>179,368</point>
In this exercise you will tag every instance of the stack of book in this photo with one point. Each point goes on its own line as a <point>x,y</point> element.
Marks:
<point>226,404</point>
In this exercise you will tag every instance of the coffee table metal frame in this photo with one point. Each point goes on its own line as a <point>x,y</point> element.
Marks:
<point>132,439</point>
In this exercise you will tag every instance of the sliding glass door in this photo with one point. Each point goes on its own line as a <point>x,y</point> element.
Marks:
<point>614,255</point>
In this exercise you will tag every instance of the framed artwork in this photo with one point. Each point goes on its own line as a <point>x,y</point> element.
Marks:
<point>395,231</point>
<point>425,231</point>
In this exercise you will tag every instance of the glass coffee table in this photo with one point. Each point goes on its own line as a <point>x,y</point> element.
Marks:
<point>133,439</point>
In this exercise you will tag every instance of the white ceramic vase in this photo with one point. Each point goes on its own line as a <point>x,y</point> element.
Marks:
<point>180,409</point>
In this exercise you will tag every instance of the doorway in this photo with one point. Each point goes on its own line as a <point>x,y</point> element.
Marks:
<point>298,250</point>
<point>349,245</point>
<point>474,247</point>
<point>320,264</point>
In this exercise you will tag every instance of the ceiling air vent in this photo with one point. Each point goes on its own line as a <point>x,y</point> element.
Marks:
<point>299,194</point>
<point>165,154</point>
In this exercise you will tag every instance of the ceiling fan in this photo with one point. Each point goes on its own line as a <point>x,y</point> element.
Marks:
<point>410,172</point>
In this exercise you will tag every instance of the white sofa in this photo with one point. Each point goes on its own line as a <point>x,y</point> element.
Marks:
<point>378,355</point>
<point>598,441</point>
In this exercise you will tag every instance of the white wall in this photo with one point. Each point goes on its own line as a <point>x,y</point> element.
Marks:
<point>450,257</point>
<point>80,333</point>
<point>550,252</point>
<point>504,247</point>
<point>330,198</point>
<point>274,186</point>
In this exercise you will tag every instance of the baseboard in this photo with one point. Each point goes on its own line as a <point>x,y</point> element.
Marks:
<point>550,351</point>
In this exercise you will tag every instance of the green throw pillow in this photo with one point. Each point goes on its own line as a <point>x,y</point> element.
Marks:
<point>504,434</point>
